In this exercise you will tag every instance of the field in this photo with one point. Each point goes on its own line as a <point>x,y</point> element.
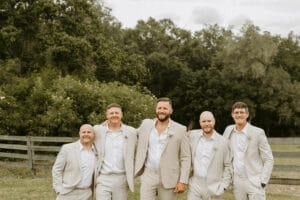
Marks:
<point>21,184</point>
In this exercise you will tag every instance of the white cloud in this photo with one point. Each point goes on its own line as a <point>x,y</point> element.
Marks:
<point>206,15</point>
<point>275,16</point>
<point>238,21</point>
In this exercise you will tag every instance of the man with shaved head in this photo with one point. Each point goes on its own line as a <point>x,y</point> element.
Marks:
<point>74,167</point>
<point>211,167</point>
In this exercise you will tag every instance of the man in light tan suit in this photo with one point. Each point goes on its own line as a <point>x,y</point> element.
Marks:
<point>74,167</point>
<point>116,144</point>
<point>211,163</point>
<point>252,156</point>
<point>163,155</point>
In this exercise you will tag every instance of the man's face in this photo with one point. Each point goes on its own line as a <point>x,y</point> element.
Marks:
<point>163,110</point>
<point>207,123</point>
<point>86,134</point>
<point>114,115</point>
<point>240,116</point>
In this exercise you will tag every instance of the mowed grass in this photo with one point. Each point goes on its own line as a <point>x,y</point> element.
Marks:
<point>285,147</point>
<point>286,161</point>
<point>21,184</point>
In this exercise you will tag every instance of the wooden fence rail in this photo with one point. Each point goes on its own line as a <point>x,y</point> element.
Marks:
<point>40,152</point>
<point>30,151</point>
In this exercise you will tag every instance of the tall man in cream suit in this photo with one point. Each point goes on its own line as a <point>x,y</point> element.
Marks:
<point>74,167</point>
<point>116,143</point>
<point>210,161</point>
<point>163,155</point>
<point>252,156</point>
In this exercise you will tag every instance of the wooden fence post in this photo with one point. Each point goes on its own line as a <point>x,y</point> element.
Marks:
<point>30,154</point>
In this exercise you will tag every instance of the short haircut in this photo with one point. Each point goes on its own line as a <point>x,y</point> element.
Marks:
<point>206,113</point>
<point>86,125</point>
<point>113,105</point>
<point>167,99</point>
<point>240,105</point>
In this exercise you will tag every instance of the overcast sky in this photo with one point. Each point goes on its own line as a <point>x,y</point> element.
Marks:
<point>275,16</point>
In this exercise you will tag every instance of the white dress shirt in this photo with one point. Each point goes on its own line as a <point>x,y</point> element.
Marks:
<point>113,162</point>
<point>203,155</point>
<point>87,163</point>
<point>238,144</point>
<point>155,147</point>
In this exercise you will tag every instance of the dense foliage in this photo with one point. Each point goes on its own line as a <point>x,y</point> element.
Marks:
<point>62,62</point>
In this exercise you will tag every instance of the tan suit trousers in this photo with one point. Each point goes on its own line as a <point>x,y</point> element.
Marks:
<point>112,187</point>
<point>151,187</point>
<point>77,194</point>
<point>198,190</point>
<point>245,190</point>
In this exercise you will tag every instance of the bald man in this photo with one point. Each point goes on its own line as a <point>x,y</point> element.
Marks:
<point>211,167</point>
<point>74,167</point>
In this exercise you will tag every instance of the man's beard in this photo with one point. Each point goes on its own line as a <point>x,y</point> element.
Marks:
<point>165,118</point>
<point>208,130</point>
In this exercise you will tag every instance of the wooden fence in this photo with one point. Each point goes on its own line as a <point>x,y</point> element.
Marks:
<point>30,151</point>
<point>40,152</point>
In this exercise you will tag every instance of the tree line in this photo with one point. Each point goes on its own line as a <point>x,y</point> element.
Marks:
<point>62,62</point>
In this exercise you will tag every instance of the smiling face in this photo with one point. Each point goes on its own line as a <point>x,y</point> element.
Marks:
<point>114,115</point>
<point>86,134</point>
<point>207,122</point>
<point>163,111</point>
<point>240,116</point>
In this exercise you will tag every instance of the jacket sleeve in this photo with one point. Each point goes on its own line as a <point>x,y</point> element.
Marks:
<point>185,158</point>
<point>227,173</point>
<point>58,169</point>
<point>267,158</point>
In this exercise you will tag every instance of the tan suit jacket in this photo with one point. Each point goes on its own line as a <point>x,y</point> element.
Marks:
<point>175,161</point>
<point>66,169</point>
<point>219,168</point>
<point>128,151</point>
<point>258,155</point>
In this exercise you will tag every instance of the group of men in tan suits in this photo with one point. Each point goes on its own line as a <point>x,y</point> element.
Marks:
<point>167,158</point>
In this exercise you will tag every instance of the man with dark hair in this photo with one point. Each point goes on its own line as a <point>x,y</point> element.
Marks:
<point>252,156</point>
<point>163,155</point>
<point>116,143</point>
<point>74,167</point>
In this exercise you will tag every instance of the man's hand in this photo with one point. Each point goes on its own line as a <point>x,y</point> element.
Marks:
<point>180,187</point>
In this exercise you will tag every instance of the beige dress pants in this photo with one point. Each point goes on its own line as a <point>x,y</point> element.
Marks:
<point>198,190</point>
<point>112,187</point>
<point>77,194</point>
<point>151,187</point>
<point>245,190</point>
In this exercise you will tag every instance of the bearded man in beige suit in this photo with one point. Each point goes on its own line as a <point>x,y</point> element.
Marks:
<point>163,155</point>
<point>252,156</point>
<point>116,144</point>
<point>74,167</point>
<point>211,163</point>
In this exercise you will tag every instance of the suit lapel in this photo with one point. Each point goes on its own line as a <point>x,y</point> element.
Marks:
<point>103,140</point>
<point>195,143</point>
<point>125,132</point>
<point>213,150</point>
<point>248,136</point>
<point>148,132</point>
<point>170,133</point>
<point>230,132</point>
<point>77,153</point>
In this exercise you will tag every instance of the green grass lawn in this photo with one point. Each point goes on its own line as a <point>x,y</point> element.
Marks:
<point>21,184</point>
<point>285,147</point>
